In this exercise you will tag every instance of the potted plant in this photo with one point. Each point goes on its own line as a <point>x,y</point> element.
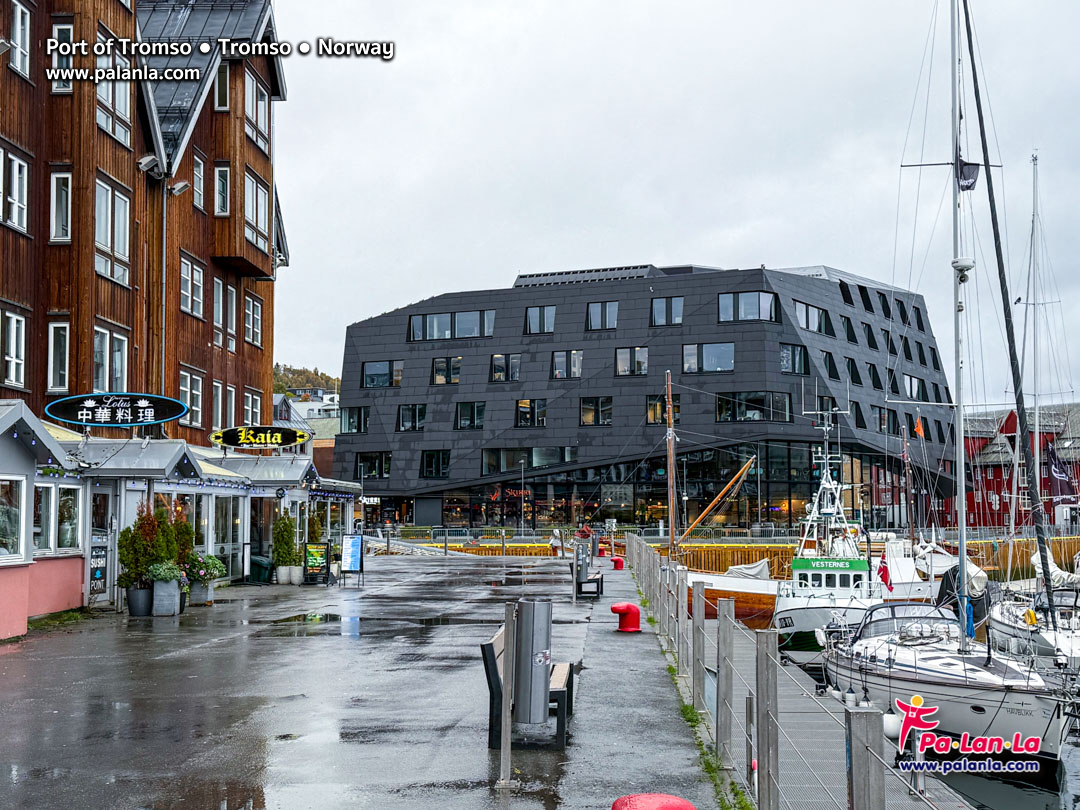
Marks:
<point>166,577</point>
<point>202,570</point>
<point>137,549</point>
<point>285,556</point>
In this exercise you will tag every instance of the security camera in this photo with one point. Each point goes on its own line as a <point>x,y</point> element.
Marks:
<point>147,163</point>
<point>5,46</point>
<point>179,188</point>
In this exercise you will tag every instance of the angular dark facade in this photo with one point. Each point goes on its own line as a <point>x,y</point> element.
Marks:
<point>569,368</point>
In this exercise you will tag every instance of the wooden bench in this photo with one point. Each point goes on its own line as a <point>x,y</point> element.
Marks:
<point>560,692</point>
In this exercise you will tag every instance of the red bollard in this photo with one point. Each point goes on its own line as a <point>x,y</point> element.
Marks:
<point>651,801</point>
<point>617,563</point>
<point>629,622</point>
<point>602,551</point>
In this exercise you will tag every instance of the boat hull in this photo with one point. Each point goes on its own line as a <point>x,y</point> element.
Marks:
<point>797,617</point>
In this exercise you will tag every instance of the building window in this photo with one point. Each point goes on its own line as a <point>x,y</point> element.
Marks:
<point>748,306</point>
<point>864,294</point>
<point>853,371</point>
<point>58,356</point>
<point>567,365</point>
<point>56,530</point>
<point>494,461</point>
<point>875,378</point>
<point>753,406</point>
<point>894,388</point>
<point>868,333</point>
<point>20,38</point>
<point>602,315</point>
<point>354,420</point>
<point>14,349</point>
<point>539,320</point>
<point>595,411</point>
<point>916,388</point>
<point>215,419</point>
<point>860,420</point>
<point>43,517</point>
<point>794,359</point>
<point>256,212</point>
<point>198,181</point>
<point>505,367</point>
<point>849,330</point>
<point>632,362</point>
<point>814,319</point>
<point>656,407</point>
<point>411,417</point>
<point>531,413</point>
<point>191,395</point>
<point>830,365</point>
<point>918,319</point>
<point>383,374</point>
<point>112,213</point>
<point>14,194</point>
<point>12,527</point>
<point>219,312</point>
<point>921,351</point>
<point>446,371</point>
<point>435,464</point>
<point>230,407</point>
<point>373,465</point>
<point>935,361</point>
<point>906,346</point>
<point>63,34</point>
<point>252,320</point>
<point>883,300</point>
<point>221,191</point>
<point>114,98</point>
<point>702,358</point>
<point>469,416</point>
<point>473,324</point>
<point>257,111</point>
<point>60,207</point>
<point>940,431</point>
<point>937,391</point>
<point>110,361</point>
<point>903,312</point>
<point>666,312</point>
<point>230,317</point>
<point>252,407</point>
<point>191,288</point>
<point>890,345</point>
<point>221,87</point>
<point>845,292</point>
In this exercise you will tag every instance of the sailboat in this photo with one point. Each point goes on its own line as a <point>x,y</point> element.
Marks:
<point>905,649</point>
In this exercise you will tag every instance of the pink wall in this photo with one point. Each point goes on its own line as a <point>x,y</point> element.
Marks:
<point>55,585</point>
<point>14,595</point>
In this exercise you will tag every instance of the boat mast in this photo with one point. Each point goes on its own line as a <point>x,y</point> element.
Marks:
<point>1035,316</point>
<point>961,455</point>
<point>910,488</point>
<point>670,467</point>
<point>1014,362</point>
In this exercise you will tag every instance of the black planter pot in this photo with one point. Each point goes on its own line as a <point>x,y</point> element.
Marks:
<point>183,601</point>
<point>140,601</point>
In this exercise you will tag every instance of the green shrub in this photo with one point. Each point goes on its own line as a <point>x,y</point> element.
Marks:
<point>185,540</point>
<point>137,549</point>
<point>284,551</point>
<point>164,572</point>
<point>203,568</point>
<point>314,529</point>
<point>166,546</point>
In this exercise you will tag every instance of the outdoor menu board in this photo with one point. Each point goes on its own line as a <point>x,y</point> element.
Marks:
<point>99,562</point>
<point>352,553</point>
<point>316,563</point>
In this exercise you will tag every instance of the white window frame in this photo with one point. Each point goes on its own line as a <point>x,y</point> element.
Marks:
<point>198,182</point>
<point>219,312</point>
<point>21,38</point>
<point>252,320</point>
<point>14,350</point>
<point>219,172</point>
<point>256,212</point>
<point>218,404</point>
<point>63,62</point>
<point>191,391</point>
<point>230,406</point>
<point>223,67</point>
<point>60,227</point>
<point>18,191</point>
<point>113,382</point>
<point>117,382</point>
<point>54,540</point>
<point>191,287</point>
<point>112,259</point>
<point>257,111</point>
<point>25,504</point>
<point>114,98</point>
<point>58,364</point>
<point>252,407</point>
<point>230,317</point>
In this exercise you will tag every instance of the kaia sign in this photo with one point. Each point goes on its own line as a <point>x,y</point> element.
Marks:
<point>116,410</point>
<point>259,437</point>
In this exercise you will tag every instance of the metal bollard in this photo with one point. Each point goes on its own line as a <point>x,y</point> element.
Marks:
<point>865,732</point>
<point>532,662</point>
<point>768,734</point>
<point>725,637</point>
<point>697,663</point>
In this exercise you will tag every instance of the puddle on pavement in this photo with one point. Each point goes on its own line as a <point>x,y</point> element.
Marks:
<point>309,618</point>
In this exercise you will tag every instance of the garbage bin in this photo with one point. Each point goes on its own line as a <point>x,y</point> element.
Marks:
<point>532,663</point>
<point>260,568</point>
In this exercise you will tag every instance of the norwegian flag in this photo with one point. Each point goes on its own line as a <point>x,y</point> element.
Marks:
<point>883,572</point>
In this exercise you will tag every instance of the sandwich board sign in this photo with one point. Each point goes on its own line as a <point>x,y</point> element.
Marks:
<point>352,556</point>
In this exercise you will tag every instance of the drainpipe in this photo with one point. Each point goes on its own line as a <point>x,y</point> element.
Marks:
<point>164,257</point>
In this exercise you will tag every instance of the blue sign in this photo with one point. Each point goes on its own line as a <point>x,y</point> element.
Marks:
<point>352,553</point>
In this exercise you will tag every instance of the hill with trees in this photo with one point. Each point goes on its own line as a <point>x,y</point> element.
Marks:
<point>286,377</point>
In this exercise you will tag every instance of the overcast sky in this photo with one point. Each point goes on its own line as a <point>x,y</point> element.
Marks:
<point>506,138</point>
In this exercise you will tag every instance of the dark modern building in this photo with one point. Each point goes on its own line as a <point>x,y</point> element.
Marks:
<point>448,402</point>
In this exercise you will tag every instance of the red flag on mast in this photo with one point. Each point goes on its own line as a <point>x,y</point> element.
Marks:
<point>883,572</point>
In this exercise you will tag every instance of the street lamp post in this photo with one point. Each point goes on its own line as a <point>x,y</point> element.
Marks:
<point>522,462</point>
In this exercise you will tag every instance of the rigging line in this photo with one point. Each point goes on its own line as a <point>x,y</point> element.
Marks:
<point>922,156</point>
<point>927,48</point>
<point>644,459</point>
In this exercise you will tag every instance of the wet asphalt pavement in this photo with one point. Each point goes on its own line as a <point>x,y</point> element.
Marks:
<point>287,697</point>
